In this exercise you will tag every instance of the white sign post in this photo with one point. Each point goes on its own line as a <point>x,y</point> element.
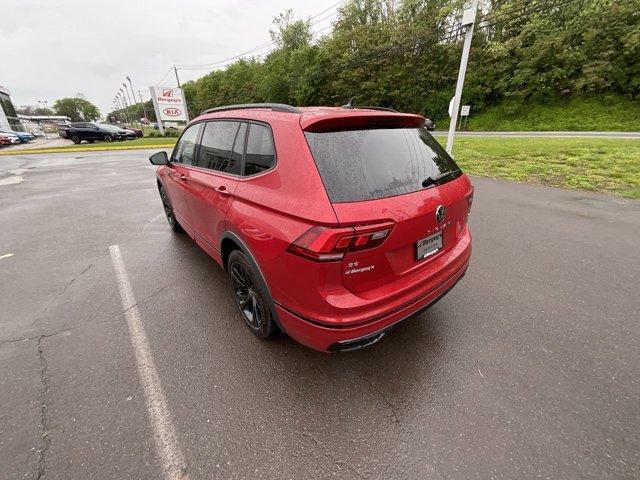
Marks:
<point>169,105</point>
<point>468,21</point>
<point>464,111</point>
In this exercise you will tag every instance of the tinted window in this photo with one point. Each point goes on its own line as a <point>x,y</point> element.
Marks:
<point>377,163</point>
<point>260,154</point>
<point>216,145</point>
<point>185,151</point>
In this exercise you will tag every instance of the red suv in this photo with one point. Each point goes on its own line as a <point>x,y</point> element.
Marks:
<point>333,224</point>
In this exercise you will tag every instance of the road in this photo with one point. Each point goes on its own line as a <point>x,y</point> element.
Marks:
<point>545,134</point>
<point>529,368</point>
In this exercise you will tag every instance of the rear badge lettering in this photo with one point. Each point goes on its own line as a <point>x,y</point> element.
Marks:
<point>353,268</point>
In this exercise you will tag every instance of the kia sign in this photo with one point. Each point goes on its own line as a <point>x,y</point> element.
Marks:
<point>169,104</point>
<point>172,112</point>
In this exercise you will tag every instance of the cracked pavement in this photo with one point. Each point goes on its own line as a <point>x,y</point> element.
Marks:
<point>528,368</point>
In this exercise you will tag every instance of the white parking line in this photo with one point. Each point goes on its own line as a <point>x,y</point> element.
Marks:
<point>166,440</point>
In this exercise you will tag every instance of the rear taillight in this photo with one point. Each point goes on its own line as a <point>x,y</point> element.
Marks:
<point>324,244</point>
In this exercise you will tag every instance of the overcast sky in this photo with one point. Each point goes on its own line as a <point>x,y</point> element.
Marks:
<point>55,49</point>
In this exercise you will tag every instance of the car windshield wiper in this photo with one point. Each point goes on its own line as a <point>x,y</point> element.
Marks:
<point>430,181</point>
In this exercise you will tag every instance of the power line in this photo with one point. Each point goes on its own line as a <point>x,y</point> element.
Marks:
<point>165,76</point>
<point>205,66</point>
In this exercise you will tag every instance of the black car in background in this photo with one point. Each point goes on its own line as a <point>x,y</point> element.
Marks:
<point>429,124</point>
<point>89,131</point>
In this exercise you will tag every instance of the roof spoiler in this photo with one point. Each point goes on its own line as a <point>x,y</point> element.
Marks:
<point>357,119</point>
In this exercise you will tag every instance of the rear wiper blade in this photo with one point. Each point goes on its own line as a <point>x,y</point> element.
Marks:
<point>433,180</point>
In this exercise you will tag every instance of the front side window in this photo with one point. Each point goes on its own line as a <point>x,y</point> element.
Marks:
<point>215,148</point>
<point>260,154</point>
<point>185,150</point>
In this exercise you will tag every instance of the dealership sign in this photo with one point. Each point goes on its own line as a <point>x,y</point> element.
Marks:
<point>169,104</point>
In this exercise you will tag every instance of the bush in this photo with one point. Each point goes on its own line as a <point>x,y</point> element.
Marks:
<point>171,133</point>
<point>586,113</point>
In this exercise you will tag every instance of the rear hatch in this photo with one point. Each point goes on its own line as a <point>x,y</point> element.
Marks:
<point>392,173</point>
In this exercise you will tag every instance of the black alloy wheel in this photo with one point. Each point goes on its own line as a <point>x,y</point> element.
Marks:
<point>250,297</point>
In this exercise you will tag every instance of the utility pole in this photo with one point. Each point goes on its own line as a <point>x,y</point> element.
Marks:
<point>177,79</point>
<point>186,110</point>
<point>468,21</point>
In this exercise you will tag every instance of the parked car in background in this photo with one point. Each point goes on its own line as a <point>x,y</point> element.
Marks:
<point>88,131</point>
<point>123,133</point>
<point>23,136</point>
<point>8,139</point>
<point>128,133</point>
<point>332,224</point>
<point>138,131</point>
<point>429,124</point>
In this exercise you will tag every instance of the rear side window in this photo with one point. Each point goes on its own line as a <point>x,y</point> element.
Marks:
<point>377,163</point>
<point>260,154</point>
<point>185,150</point>
<point>216,145</point>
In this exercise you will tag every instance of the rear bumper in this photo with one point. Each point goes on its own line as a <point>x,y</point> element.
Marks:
<point>351,337</point>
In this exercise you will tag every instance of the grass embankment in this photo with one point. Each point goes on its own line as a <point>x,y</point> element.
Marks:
<point>603,113</point>
<point>595,164</point>
<point>99,146</point>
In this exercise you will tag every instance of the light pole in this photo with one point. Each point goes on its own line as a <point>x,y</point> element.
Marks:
<point>144,109</point>
<point>133,94</point>
<point>43,104</point>
<point>468,21</point>
<point>124,102</point>
<point>126,89</point>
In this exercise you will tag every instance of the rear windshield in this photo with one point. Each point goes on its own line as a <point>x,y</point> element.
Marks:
<point>376,163</point>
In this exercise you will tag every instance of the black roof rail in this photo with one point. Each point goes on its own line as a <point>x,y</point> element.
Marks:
<point>278,107</point>
<point>351,106</point>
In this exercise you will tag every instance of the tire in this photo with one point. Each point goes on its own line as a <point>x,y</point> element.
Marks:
<point>168,211</point>
<point>251,298</point>
<point>75,139</point>
<point>108,138</point>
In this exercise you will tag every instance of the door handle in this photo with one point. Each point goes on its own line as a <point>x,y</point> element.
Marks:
<point>183,177</point>
<point>222,191</point>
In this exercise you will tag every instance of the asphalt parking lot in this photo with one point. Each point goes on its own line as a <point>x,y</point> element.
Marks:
<point>529,368</point>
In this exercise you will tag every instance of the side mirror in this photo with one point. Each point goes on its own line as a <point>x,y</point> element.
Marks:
<point>160,158</point>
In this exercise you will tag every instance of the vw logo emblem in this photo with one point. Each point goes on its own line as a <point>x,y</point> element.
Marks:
<point>440,213</point>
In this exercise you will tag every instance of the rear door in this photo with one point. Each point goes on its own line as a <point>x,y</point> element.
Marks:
<point>214,178</point>
<point>376,175</point>
<point>79,130</point>
<point>183,156</point>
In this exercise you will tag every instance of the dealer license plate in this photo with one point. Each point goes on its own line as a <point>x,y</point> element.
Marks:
<point>429,246</point>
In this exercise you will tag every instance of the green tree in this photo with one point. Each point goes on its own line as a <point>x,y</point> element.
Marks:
<point>77,109</point>
<point>405,54</point>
